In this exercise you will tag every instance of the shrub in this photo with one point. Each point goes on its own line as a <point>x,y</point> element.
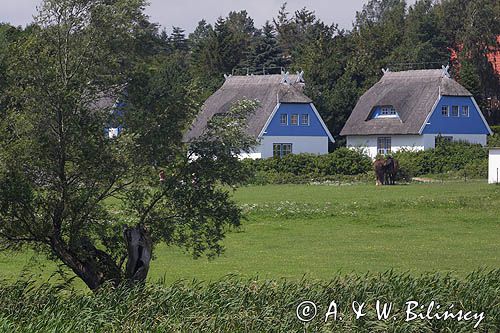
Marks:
<point>447,157</point>
<point>457,159</point>
<point>344,161</point>
<point>494,140</point>
<point>495,129</point>
<point>302,168</point>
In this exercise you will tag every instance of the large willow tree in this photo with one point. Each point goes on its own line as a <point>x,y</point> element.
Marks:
<point>96,204</point>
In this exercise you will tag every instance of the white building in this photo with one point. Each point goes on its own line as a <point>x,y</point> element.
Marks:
<point>286,121</point>
<point>410,110</point>
<point>494,166</point>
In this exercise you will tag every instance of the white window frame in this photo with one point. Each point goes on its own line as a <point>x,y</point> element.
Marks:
<point>447,108</point>
<point>465,108</point>
<point>291,119</point>
<point>388,112</point>
<point>306,115</point>
<point>285,118</point>
<point>384,145</point>
<point>458,111</point>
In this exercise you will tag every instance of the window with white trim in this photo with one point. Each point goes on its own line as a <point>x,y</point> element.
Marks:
<point>294,119</point>
<point>388,111</point>
<point>445,111</point>
<point>465,111</point>
<point>384,145</point>
<point>454,111</point>
<point>304,119</point>
<point>281,149</point>
<point>284,119</point>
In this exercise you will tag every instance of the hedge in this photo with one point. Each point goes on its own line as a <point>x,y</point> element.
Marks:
<point>299,168</point>
<point>447,157</point>
<point>455,159</point>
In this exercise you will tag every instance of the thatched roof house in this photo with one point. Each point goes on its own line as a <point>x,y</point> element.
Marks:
<point>410,109</point>
<point>285,122</point>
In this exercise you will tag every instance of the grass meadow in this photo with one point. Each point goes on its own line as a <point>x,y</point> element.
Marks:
<point>321,231</point>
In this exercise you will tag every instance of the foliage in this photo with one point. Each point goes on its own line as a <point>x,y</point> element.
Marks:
<point>58,168</point>
<point>233,305</point>
<point>495,129</point>
<point>445,157</point>
<point>457,159</point>
<point>303,168</point>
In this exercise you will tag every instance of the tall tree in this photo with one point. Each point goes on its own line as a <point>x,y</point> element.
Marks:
<point>264,52</point>
<point>423,45</point>
<point>178,40</point>
<point>58,170</point>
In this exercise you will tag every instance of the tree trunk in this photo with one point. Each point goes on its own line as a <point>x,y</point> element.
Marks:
<point>139,248</point>
<point>94,267</point>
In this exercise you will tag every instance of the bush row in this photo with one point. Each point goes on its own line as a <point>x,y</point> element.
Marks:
<point>453,159</point>
<point>234,305</point>
<point>342,164</point>
<point>456,158</point>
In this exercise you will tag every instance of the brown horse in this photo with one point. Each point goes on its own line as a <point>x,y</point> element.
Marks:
<point>379,168</point>
<point>391,170</point>
<point>386,170</point>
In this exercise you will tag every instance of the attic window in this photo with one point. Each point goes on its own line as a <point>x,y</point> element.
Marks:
<point>284,119</point>
<point>445,111</point>
<point>385,111</point>
<point>388,111</point>
<point>465,110</point>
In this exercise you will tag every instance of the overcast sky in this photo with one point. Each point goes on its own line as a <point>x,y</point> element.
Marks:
<point>187,13</point>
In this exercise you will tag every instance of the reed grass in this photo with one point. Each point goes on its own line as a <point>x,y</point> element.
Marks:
<point>235,305</point>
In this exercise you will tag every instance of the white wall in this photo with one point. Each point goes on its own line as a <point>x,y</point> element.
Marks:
<point>410,142</point>
<point>369,143</point>
<point>494,166</point>
<point>300,144</point>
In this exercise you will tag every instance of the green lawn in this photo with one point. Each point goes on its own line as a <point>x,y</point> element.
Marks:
<point>321,230</point>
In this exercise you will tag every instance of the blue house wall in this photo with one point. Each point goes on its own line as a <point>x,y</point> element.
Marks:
<point>440,124</point>
<point>275,128</point>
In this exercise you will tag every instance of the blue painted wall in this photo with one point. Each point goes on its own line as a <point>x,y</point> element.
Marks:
<point>440,124</point>
<point>276,129</point>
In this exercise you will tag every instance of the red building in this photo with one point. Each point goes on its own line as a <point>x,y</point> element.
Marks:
<point>493,56</point>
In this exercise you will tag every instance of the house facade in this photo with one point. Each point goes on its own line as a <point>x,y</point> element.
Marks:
<point>412,110</point>
<point>286,121</point>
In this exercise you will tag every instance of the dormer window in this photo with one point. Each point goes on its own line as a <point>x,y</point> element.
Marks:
<point>388,111</point>
<point>385,111</point>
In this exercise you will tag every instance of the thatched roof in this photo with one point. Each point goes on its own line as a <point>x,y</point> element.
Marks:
<point>267,89</point>
<point>413,95</point>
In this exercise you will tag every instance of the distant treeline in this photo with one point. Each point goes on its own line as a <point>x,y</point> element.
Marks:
<point>339,64</point>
